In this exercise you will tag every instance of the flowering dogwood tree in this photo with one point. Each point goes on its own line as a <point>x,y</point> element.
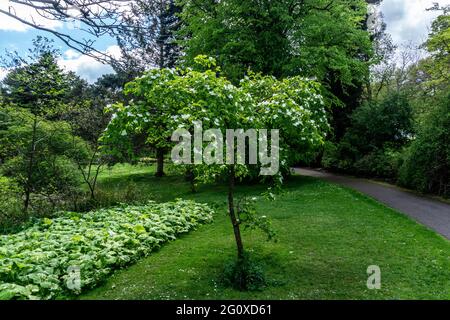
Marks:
<point>183,98</point>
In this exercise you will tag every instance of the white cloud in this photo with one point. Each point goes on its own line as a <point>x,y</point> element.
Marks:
<point>26,13</point>
<point>3,73</point>
<point>71,54</point>
<point>408,20</point>
<point>87,67</point>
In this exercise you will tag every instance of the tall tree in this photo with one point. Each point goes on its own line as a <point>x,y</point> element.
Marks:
<point>326,40</point>
<point>149,42</point>
<point>40,86</point>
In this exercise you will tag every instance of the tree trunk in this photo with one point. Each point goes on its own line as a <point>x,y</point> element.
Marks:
<point>232,213</point>
<point>190,177</point>
<point>28,184</point>
<point>159,162</point>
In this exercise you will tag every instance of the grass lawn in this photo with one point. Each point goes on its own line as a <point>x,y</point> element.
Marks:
<point>327,237</point>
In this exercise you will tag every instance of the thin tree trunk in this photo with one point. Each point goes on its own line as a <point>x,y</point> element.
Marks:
<point>94,181</point>
<point>190,177</point>
<point>159,162</point>
<point>231,211</point>
<point>28,184</point>
<point>160,151</point>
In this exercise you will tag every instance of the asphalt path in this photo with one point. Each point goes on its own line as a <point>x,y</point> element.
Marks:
<point>430,212</point>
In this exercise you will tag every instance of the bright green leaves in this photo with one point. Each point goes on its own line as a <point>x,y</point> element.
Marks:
<point>281,38</point>
<point>36,262</point>
<point>438,66</point>
<point>41,86</point>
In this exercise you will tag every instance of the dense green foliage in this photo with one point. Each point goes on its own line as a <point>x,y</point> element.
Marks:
<point>377,131</point>
<point>50,121</point>
<point>167,99</point>
<point>40,155</point>
<point>427,161</point>
<point>325,40</point>
<point>282,38</point>
<point>10,203</point>
<point>35,262</point>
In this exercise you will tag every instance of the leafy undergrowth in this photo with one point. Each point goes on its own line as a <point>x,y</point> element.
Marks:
<point>74,252</point>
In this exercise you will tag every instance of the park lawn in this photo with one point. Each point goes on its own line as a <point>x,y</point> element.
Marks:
<point>327,237</point>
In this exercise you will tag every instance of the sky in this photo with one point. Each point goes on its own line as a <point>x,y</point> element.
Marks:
<point>407,21</point>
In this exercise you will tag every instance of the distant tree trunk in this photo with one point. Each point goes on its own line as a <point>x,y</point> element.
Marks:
<point>234,221</point>
<point>160,151</point>
<point>159,162</point>
<point>190,177</point>
<point>29,183</point>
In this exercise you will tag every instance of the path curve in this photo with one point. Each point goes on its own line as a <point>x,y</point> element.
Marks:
<point>432,213</point>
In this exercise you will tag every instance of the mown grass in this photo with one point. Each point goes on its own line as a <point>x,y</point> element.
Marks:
<point>327,237</point>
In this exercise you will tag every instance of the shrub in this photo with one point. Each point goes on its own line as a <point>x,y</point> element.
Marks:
<point>41,157</point>
<point>38,262</point>
<point>372,144</point>
<point>379,123</point>
<point>330,156</point>
<point>55,180</point>
<point>379,163</point>
<point>244,274</point>
<point>10,204</point>
<point>427,161</point>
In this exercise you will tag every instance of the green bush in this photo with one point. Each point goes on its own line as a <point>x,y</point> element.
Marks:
<point>426,165</point>
<point>40,155</point>
<point>10,204</point>
<point>37,263</point>
<point>245,274</point>
<point>379,164</point>
<point>372,144</point>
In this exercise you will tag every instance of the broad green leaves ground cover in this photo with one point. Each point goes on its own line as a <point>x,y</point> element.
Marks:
<point>40,262</point>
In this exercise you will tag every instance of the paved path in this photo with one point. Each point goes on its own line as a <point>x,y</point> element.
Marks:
<point>432,213</point>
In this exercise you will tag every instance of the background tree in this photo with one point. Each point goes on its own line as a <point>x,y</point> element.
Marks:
<point>324,40</point>
<point>39,86</point>
<point>427,160</point>
<point>149,42</point>
<point>45,111</point>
